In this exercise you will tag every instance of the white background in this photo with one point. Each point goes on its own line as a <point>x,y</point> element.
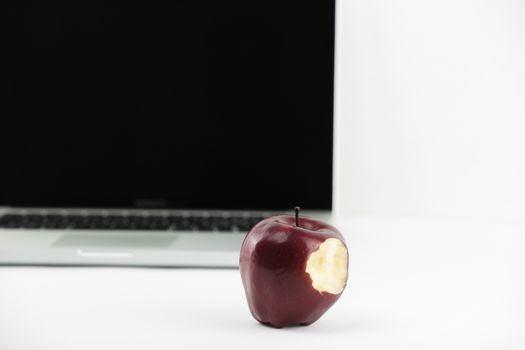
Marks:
<point>430,108</point>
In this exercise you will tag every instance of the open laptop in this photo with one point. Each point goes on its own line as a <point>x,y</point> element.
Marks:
<point>158,133</point>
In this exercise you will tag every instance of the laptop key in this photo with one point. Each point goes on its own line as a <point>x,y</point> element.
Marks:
<point>54,222</point>
<point>11,221</point>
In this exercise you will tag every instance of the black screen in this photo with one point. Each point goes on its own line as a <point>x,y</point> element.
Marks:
<point>180,104</point>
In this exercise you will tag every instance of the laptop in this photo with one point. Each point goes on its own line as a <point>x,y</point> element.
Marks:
<point>158,133</point>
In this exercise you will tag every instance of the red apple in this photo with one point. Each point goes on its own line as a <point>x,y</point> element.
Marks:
<point>293,269</point>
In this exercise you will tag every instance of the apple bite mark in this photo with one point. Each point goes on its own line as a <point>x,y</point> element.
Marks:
<point>328,267</point>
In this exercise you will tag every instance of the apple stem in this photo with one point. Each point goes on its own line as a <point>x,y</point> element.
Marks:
<point>297,215</point>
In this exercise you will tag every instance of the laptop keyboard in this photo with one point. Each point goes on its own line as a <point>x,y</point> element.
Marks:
<point>130,222</point>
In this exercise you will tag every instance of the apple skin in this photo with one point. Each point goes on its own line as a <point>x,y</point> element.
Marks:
<point>272,265</point>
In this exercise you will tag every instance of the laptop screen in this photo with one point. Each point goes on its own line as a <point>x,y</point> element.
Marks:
<point>170,104</point>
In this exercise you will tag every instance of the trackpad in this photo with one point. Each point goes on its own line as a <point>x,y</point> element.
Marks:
<point>113,240</point>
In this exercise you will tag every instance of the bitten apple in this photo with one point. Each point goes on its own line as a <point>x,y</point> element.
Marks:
<point>293,269</point>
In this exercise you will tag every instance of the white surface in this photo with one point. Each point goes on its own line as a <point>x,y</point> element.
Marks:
<point>430,107</point>
<point>414,284</point>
